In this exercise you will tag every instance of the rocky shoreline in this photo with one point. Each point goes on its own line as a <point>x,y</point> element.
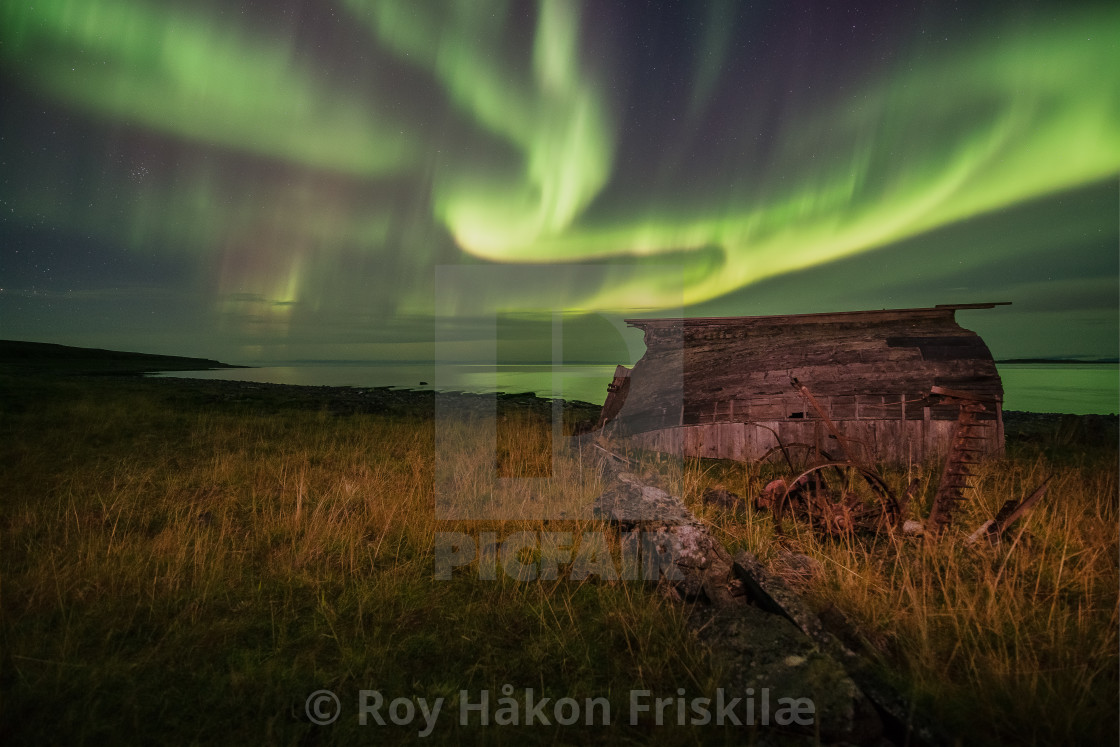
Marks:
<point>345,400</point>
<point>1096,431</point>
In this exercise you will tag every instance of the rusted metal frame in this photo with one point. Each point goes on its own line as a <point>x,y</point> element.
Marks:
<point>908,495</point>
<point>958,394</point>
<point>1009,513</point>
<point>950,490</point>
<point>804,391</point>
<point>873,479</point>
<point>783,447</point>
<point>888,505</point>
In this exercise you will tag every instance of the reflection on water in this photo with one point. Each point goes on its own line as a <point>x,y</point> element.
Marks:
<point>1069,388</point>
<point>578,382</point>
<point>587,382</point>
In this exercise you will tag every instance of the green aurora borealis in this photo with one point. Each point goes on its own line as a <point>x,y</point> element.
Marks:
<point>257,181</point>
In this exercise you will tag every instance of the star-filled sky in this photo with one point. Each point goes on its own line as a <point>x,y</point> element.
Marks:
<point>265,180</point>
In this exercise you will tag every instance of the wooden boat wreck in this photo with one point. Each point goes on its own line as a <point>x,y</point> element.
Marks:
<point>872,381</point>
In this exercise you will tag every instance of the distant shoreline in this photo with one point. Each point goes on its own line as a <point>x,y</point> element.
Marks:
<point>42,357</point>
<point>1041,385</point>
<point>1064,361</point>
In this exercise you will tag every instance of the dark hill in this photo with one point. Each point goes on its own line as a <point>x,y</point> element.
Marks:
<point>42,357</point>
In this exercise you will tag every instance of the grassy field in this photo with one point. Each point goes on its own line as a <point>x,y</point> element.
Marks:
<point>1014,644</point>
<point>184,566</point>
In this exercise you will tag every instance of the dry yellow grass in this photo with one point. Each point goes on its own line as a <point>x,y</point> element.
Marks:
<point>184,574</point>
<point>1015,643</point>
<point>180,572</point>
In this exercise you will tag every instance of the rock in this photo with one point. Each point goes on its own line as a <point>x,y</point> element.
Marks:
<point>797,567</point>
<point>772,593</point>
<point>761,651</point>
<point>912,527</point>
<point>720,496</point>
<point>698,561</point>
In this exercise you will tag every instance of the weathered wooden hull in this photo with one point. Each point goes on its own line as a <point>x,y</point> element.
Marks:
<point>721,387</point>
<point>895,441</point>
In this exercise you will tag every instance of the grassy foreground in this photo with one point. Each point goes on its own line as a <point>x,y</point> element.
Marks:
<point>1012,644</point>
<point>189,569</point>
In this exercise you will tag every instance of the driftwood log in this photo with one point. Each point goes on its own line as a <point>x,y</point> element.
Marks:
<point>755,623</point>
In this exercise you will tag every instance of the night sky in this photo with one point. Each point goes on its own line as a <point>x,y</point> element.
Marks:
<point>279,180</point>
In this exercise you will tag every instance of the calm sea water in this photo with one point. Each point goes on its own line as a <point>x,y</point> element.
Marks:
<point>584,382</point>
<point>1079,389</point>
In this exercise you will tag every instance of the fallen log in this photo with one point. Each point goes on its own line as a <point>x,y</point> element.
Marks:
<point>758,648</point>
<point>1008,514</point>
<point>772,593</point>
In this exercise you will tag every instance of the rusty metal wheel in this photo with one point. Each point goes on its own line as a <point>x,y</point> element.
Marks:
<point>795,455</point>
<point>842,498</point>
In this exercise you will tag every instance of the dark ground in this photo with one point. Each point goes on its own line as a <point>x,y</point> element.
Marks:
<point>39,357</point>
